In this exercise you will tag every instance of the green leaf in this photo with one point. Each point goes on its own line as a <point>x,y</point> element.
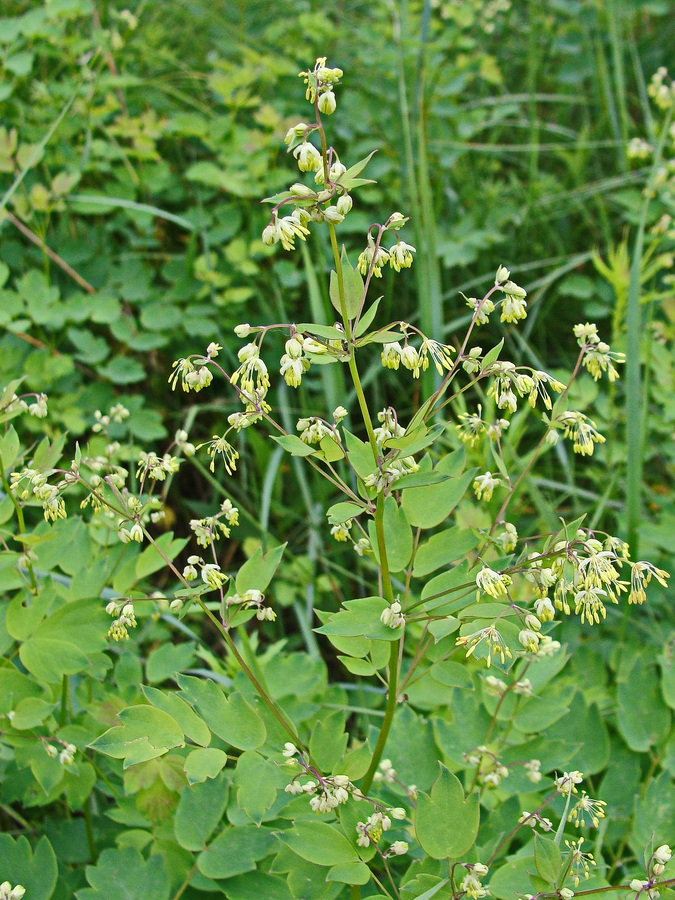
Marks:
<point>357,666</point>
<point>258,571</point>
<point>419,763</point>
<point>643,718</point>
<point>193,725</point>
<point>442,549</point>
<point>446,824</point>
<point>427,507</point>
<point>204,763</point>
<point>122,370</point>
<point>151,560</point>
<point>145,733</point>
<point>257,780</point>
<point>67,642</point>
<point>257,886</point>
<point>512,879</point>
<point>361,618</point>
<point>199,810</point>
<point>398,536</point>
<point>125,875</point>
<point>319,843</point>
<point>340,512</point>
<point>231,718</point>
<point>349,873</point>
<point>292,444</point>
<point>235,851</point>
<point>329,741</point>
<point>547,859</point>
<point>348,180</point>
<point>492,355</point>
<point>452,674</point>
<point>442,587</point>
<point>36,870</point>
<point>359,454</point>
<point>367,318</point>
<point>168,659</point>
<point>327,332</point>
<point>352,283</point>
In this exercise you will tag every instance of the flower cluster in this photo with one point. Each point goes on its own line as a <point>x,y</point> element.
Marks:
<point>472,426</point>
<point>7,892</point>
<point>598,357</point>
<point>392,616</point>
<point>370,831</point>
<point>209,573</point>
<point>65,755</point>
<point>252,599</point>
<point>489,770</point>
<point>662,88</point>
<point>417,361</point>
<point>210,529</point>
<point>585,806</point>
<point>123,609</point>
<point>49,495</point>
<point>580,862</point>
<point>19,404</point>
<point>535,819</point>
<point>471,884</point>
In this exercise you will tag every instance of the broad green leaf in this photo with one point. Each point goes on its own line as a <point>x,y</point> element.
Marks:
<point>258,571</point>
<point>349,873</point>
<point>452,674</point>
<point>203,763</point>
<point>193,725</point>
<point>319,843</point>
<point>327,332</point>
<point>427,507</point>
<point>231,718</point>
<point>359,454</point>
<point>340,512</point>
<point>330,450</point>
<point>35,869</point>
<point>547,859</point>
<point>358,666</point>
<point>169,659</point>
<point>539,712</point>
<point>442,549</point>
<point>352,283</point>
<point>68,641</point>
<point>361,618</point>
<point>9,448</point>
<point>235,851</point>
<point>31,712</point>
<point>125,875</point>
<point>654,814</point>
<point>667,663</point>
<point>257,780</point>
<point>492,355</point>
<point>257,886</point>
<point>292,444</point>
<point>446,824</point>
<point>418,762</point>
<point>145,733</point>
<point>590,732</point>
<point>367,318</point>
<point>512,879</point>
<point>643,718</point>
<point>199,810</point>
<point>441,592</point>
<point>398,536</point>
<point>329,741</point>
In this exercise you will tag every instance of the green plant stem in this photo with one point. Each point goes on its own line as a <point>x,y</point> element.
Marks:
<point>63,713</point>
<point>387,588</point>
<point>21,523</point>
<point>89,828</point>
<point>264,696</point>
<point>390,709</point>
<point>634,398</point>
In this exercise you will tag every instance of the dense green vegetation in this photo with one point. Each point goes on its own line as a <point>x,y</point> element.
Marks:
<point>136,145</point>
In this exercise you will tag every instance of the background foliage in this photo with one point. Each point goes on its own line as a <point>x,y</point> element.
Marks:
<point>134,149</point>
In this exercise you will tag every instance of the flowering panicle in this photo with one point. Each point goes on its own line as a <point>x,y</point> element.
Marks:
<point>125,618</point>
<point>598,357</point>
<point>493,641</point>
